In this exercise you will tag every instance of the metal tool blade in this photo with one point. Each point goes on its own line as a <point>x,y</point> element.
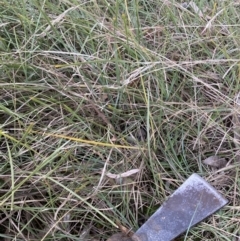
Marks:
<point>192,202</point>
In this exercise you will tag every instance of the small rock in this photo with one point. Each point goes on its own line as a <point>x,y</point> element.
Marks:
<point>215,161</point>
<point>119,237</point>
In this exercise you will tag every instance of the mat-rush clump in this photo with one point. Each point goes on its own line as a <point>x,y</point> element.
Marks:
<point>78,83</point>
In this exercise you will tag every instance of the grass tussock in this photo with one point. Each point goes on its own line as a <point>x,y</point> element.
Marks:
<point>95,87</point>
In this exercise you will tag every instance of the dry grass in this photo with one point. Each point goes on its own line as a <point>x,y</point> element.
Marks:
<point>110,86</point>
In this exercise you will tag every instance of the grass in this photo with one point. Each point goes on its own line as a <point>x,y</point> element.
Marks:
<point>91,87</point>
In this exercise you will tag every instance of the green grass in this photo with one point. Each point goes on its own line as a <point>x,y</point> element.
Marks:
<point>91,87</point>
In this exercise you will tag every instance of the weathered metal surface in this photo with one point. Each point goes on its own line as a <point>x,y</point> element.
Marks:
<point>192,202</point>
